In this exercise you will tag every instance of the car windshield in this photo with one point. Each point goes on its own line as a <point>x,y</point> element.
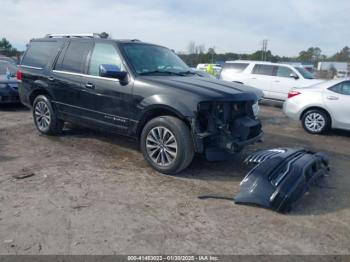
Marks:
<point>306,74</point>
<point>7,68</point>
<point>151,59</point>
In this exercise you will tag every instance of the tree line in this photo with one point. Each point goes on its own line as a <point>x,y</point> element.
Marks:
<point>196,54</point>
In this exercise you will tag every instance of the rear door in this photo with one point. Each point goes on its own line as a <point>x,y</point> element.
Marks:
<point>282,83</point>
<point>233,72</point>
<point>106,100</point>
<point>337,99</point>
<point>261,78</point>
<point>66,78</point>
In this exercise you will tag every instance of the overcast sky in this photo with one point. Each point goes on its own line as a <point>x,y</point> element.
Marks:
<point>237,26</point>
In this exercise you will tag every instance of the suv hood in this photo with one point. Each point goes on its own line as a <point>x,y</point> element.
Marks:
<point>204,87</point>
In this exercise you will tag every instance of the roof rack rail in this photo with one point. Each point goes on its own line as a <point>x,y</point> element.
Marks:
<point>93,35</point>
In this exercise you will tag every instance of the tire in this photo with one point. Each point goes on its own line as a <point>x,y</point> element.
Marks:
<point>160,153</point>
<point>316,121</point>
<point>45,117</point>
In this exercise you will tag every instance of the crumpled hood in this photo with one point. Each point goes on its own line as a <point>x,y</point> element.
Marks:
<point>204,87</point>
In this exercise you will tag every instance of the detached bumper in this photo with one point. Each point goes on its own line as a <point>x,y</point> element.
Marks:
<point>281,177</point>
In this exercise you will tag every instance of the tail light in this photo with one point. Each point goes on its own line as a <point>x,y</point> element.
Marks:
<point>293,94</point>
<point>19,75</point>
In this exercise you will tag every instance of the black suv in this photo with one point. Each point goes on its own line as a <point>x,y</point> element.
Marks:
<point>140,90</point>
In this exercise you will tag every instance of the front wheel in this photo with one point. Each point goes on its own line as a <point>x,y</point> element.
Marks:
<point>316,121</point>
<point>167,145</point>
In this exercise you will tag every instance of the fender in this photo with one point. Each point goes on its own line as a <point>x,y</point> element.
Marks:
<point>166,102</point>
<point>40,86</point>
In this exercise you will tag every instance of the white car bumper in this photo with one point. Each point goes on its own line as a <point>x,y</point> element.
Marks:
<point>292,108</point>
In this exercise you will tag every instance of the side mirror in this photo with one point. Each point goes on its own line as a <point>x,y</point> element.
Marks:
<point>294,75</point>
<point>112,71</point>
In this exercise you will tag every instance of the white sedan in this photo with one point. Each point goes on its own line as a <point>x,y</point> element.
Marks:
<point>321,107</point>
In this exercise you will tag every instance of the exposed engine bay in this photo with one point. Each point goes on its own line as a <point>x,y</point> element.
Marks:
<point>281,177</point>
<point>225,127</point>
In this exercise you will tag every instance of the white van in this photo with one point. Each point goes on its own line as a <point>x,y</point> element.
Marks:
<point>275,80</point>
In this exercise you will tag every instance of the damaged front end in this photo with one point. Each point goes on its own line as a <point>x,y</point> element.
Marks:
<point>221,129</point>
<point>280,177</point>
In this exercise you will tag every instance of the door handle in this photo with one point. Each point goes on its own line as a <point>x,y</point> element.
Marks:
<point>332,98</point>
<point>90,86</point>
<point>50,78</point>
<point>254,78</point>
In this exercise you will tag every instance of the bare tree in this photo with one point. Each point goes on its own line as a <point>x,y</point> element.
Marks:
<point>191,47</point>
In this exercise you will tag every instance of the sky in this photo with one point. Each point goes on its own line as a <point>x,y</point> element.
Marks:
<point>230,26</point>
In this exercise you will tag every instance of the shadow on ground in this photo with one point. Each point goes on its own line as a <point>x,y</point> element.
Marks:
<point>328,198</point>
<point>13,108</point>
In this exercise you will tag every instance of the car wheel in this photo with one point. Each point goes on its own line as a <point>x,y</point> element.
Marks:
<point>316,121</point>
<point>45,117</point>
<point>167,145</point>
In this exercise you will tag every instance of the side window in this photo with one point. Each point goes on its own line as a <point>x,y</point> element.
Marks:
<point>267,70</point>
<point>342,88</point>
<point>75,56</point>
<point>103,53</point>
<point>235,67</point>
<point>39,53</point>
<point>283,71</point>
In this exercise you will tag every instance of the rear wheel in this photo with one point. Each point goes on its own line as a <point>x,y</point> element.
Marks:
<point>316,121</point>
<point>45,117</point>
<point>167,145</point>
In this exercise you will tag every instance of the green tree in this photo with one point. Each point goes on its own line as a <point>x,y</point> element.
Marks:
<point>342,56</point>
<point>313,54</point>
<point>104,35</point>
<point>7,49</point>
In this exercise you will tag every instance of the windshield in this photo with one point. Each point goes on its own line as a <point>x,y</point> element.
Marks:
<point>7,68</point>
<point>306,74</point>
<point>151,59</point>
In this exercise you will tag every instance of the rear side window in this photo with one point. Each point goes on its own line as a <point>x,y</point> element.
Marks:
<point>75,57</point>
<point>342,88</point>
<point>283,71</point>
<point>267,70</point>
<point>235,67</point>
<point>39,53</point>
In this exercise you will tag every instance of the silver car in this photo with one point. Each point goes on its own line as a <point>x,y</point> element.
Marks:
<point>321,107</point>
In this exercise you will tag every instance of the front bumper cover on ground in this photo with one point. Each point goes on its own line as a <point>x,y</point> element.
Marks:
<point>280,177</point>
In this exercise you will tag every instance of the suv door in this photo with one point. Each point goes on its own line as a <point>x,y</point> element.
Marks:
<point>65,78</point>
<point>282,83</point>
<point>337,99</point>
<point>106,100</point>
<point>261,78</point>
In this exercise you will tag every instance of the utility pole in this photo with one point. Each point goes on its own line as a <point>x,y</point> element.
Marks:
<point>264,50</point>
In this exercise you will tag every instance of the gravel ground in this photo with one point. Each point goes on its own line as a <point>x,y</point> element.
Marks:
<point>93,193</point>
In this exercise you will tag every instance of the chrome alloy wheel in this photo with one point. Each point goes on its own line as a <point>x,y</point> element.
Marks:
<point>42,115</point>
<point>161,146</point>
<point>315,122</point>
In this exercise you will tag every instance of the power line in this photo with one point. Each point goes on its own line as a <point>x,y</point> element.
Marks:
<point>264,50</point>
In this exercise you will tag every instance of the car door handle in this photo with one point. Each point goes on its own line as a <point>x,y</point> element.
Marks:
<point>254,78</point>
<point>90,86</point>
<point>50,78</point>
<point>332,98</point>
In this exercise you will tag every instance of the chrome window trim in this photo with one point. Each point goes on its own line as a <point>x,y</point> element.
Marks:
<point>31,67</point>
<point>85,75</point>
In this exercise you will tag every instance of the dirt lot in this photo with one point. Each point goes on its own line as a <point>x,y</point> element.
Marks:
<point>94,194</point>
